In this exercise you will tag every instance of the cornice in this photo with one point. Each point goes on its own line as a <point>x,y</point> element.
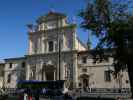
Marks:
<point>52,53</point>
<point>73,26</point>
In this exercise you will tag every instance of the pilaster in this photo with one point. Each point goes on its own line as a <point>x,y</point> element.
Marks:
<point>28,72</point>
<point>75,71</point>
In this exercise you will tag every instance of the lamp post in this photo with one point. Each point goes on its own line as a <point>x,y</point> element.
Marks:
<point>59,58</point>
<point>59,47</point>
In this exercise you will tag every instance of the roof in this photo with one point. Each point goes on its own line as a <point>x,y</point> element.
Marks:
<point>2,61</point>
<point>50,16</point>
<point>17,58</point>
<point>107,52</point>
<point>82,43</point>
<point>55,14</point>
<point>84,52</point>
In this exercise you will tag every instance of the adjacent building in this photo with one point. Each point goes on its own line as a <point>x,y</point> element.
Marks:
<point>2,66</point>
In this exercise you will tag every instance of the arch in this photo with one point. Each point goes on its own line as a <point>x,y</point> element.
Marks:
<point>49,71</point>
<point>84,76</point>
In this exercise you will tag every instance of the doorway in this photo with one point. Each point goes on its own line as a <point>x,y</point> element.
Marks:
<point>50,75</point>
<point>85,82</point>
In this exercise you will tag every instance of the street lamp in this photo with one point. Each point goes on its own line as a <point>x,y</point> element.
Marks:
<point>59,57</point>
<point>59,46</point>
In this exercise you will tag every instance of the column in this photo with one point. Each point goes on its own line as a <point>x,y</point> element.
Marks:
<point>54,75</point>
<point>30,46</point>
<point>36,71</point>
<point>27,72</point>
<point>43,76</point>
<point>38,47</point>
<point>63,69</point>
<point>5,75</point>
<point>46,50</point>
<point>57,69</point>
<point>74,39</point>
<point>42,44</point>
<point>75,71</point>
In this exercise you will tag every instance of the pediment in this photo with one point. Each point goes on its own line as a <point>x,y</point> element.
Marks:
<point>51,16</point>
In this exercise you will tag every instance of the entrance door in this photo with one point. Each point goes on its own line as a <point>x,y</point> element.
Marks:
<point>50,75</point>
<point>85,83</point>
<point>50,72</point>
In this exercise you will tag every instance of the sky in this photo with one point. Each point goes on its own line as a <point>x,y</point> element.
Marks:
<point>16,14</point>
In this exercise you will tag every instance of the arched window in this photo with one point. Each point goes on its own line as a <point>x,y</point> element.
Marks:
<point>9,78</point>
<point>84,60</point>
<point>51,46</point>
<point>23,64</point>
<point>33,73</point>
<point>10,65</point>
<point>66,76</point>
<point>67,71</point>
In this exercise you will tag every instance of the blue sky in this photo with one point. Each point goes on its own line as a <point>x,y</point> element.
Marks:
<point>15,14</point>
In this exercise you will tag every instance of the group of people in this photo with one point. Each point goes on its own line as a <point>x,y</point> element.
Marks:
<point>28,97</point>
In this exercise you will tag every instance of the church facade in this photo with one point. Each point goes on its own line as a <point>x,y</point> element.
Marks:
<point>56,53</point>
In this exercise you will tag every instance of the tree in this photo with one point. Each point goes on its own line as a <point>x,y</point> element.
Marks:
<point>111,21</point>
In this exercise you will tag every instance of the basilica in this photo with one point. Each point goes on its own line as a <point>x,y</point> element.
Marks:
<point>56,53</point>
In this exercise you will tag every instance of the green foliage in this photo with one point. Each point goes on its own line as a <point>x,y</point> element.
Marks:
<point>112,23</point>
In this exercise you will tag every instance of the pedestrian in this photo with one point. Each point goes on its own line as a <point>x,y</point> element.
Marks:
<point>30,97</point>
<point>119,98</point>
<point>21,97</point>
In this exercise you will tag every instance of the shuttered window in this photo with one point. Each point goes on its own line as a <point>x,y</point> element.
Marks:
<point>107,76</point>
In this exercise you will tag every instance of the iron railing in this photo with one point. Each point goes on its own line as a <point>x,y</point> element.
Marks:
<point>78,92</point>
<point>103,92</point>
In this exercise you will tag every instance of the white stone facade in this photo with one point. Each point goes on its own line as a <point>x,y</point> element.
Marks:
<point>95,73</point>
<point>14,70</point>
<point>2,65</point>
<point>42,60</point>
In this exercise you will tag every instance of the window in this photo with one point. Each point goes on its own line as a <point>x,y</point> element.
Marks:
<point>80,84</point>
<point>35,47</point>
<point>10,65</point>
<point>84,70</point>
<point>51,45</point>
<point>23,64</point>
<point>127,81</point>
<point>107,76</point>
<point>67,72</point>
<point>1,73</point>
<point>33,73</point>
<point>84,60</point>
<point>51,25</point>
<point>9,78</point>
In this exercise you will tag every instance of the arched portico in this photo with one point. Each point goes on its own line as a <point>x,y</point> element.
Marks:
<point>48,72</point>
